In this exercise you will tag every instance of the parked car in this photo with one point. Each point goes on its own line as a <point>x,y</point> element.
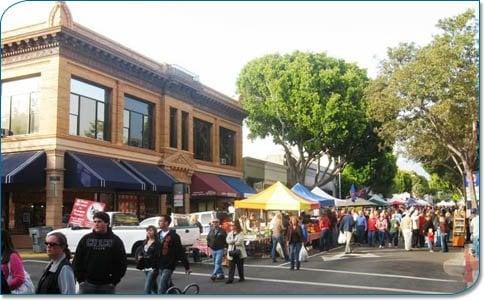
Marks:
<point>131,231</point>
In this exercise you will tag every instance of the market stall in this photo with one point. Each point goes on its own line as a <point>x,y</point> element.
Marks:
<point>356,202</point>
<point>275,198</point>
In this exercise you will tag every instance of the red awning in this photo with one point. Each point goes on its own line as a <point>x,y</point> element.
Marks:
<point>205,184</point>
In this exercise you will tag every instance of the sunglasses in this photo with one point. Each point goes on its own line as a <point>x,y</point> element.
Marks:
<point>51,244</point>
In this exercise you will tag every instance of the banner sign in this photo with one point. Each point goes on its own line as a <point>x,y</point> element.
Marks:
<point>83,212</point>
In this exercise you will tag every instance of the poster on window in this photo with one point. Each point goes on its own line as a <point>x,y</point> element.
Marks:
<point>83,211</point>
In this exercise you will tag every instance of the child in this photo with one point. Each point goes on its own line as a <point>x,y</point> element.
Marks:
<point>430,239</point>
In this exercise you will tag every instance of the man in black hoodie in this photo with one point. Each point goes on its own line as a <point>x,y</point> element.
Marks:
<point>100,260</point>
<point>171,252</point>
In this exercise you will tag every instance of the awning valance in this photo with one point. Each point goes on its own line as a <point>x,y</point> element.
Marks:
<point>84,170</point>
<point>24,168</point>
<point>156,179</point>
<point>237,184</point>
<point>205,184</point>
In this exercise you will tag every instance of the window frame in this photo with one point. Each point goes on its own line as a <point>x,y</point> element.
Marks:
<point>233,157</point>
<point>209,142</point>
<point>151,108</point>
<point>173,139</point>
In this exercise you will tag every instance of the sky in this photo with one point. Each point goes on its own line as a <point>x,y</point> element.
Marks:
<point>214,40</point>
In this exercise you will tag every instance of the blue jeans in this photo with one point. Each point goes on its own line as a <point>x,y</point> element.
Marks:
<point>279,240</point>
<point>381,235</point>
<point>294,254</point>
<point>164,280</point>
<point>371,238</point>
<point>217,262</point>
<point>150,279</point>
<point>360,231</point>
<point>443,242</point>
<point>90,288</point>
<point>324,239</point>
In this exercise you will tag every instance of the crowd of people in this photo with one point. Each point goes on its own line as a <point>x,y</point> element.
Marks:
<point>100,261</point>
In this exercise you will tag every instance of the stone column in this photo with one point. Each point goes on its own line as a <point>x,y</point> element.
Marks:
<point>163,206</point>
<point>54,187</point>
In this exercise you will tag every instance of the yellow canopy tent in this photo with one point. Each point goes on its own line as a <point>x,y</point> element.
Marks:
<point>276,197</point>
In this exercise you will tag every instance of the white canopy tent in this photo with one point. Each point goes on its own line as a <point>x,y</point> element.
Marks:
<point>323,194</point>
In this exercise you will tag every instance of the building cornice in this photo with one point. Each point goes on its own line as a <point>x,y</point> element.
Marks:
<point>164,79</point>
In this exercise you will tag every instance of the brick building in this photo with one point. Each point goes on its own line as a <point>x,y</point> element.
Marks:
<point>85,117</point>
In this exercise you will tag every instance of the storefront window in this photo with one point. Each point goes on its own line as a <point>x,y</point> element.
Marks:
<point>138,120</point>
<point>184,131</point>
<point>143,206</point>
<point>20,106</point>
<point>202,140</point>
<point>227,147</point>
<point>87,110</point>
<point>173,128</point>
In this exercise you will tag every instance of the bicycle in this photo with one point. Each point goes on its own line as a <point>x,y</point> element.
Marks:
<point>191,289</point>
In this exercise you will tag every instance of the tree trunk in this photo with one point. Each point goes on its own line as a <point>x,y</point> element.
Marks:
<point>470,185</point>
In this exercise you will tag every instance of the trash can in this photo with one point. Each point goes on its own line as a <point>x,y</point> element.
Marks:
<point>38,235</point>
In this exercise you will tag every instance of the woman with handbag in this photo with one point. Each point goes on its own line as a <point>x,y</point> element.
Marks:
<point>295,238</point>
<point>18,279</point>
<point>236,252</point>
<point>149,259</point>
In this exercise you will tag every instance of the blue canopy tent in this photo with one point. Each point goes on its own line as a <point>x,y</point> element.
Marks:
<point>302,191</point>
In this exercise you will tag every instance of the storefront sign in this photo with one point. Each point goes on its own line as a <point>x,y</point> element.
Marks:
<point>178,194</point>
<point>83,212</point>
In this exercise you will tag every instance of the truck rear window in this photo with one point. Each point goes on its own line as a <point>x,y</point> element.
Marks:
<point>125,220</point>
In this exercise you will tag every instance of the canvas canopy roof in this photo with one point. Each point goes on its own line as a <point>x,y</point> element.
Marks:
<point>358,202</point>
<point>302,191</point>
<point>377,199</point>
<point>277,197</point>
<point>325,195</point>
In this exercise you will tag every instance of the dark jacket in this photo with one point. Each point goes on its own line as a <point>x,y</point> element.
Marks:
<point>347,223</point>
<point>151,256</point>
<point>5,288</point>
<point>172,251</point>
<point>49,281</point>
<point>217,239</point>
<point>428,224</point>
<point>100,258</point>
<point>295,236</point>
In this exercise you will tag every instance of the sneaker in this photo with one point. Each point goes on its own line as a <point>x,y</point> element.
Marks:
<point>213,277</point>
<point>380,247</point>
<point>221,277</point>
<point>431,250</point>
<point>241,279</point>
<point>229,281</point>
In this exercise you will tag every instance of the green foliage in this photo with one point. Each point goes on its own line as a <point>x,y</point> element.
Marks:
<point>426,97</point>
<point>420,186</point>
<point>378,174</point>
<point>311,105</point>
<point>402,182</point>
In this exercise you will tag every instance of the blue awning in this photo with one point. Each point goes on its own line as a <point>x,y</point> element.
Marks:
<point>238,185</point>
<point>88,171</point>
<point>24,168</point>
<point>302,191</point>
<point>156,179</point>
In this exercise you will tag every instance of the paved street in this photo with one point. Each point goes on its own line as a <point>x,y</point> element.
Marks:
<point>366,271</point>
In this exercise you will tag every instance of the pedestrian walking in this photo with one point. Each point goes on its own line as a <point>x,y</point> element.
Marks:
<point>277,237</point>
<point>100,260</point>
<point>148,260</point>
<point>295,238</point>
<point>172,251</point>
<point>325,227</point>
<point>236,252</point>
<point>406,227</point>
<point>382,226</point>
<point>361,227</point>
<point>216,240</point>
<point>58,276</point>
<point>474,227</point>
<point>415,229</point>
<point>444,231</point>
<point>372,230</point>
<point>430,239</point>
<point>18,280</point>
<point>195,251</point>
<point>346,227</point>
<point>394,230</point>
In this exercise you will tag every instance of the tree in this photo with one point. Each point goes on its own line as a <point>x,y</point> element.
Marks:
<point>420,185</point>
<point>426,98</point>
<point>377,174</point>
<point>402,182</point>
<point>311,105</point>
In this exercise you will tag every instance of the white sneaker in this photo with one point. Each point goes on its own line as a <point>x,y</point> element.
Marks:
<point>431,250</point>
<point>380,246</point>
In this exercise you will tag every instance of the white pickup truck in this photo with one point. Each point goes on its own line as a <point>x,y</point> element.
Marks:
<point>133,233</point>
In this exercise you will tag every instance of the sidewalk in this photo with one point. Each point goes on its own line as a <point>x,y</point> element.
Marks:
<point>471,272</point>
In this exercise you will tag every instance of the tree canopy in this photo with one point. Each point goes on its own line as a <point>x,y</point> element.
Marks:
<point>426,97</point>
<point>311,105</point>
